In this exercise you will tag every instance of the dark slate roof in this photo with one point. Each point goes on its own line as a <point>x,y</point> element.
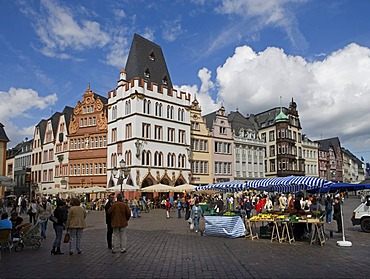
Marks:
<point>325,144</point>
<point>209,118</point>
<point>68,112</point>
<point>352,156</point>
<point>267,118</point>
<point>3,136</point>
<point>238,121</point>
<point>42,129</point>
<point>104,100</point>
<point>145,55</point>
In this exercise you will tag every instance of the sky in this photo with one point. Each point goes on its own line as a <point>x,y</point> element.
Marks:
<point>243,54</point>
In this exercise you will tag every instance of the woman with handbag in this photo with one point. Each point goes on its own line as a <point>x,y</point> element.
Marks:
<point>60,214</point>
<point>75,225</point>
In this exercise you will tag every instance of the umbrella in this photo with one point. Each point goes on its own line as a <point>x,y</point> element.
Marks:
<point>185,187</point>
<point>230,186</point>
<point>289,183</point>
<point>11,196</point>
<point>125,187</point>
<point>51,191</point>
<point>95,189</point>
<point>158,188</point>
<point>6,181</point>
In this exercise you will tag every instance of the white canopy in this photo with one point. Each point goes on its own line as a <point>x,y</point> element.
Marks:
<point>158,188</point>
<point>125,187</point>
<point>185,187</point>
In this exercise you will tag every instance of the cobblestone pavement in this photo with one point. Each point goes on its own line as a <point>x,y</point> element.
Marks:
<point>165,248</point>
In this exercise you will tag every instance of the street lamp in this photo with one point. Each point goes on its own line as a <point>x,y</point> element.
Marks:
<point>122,172</point>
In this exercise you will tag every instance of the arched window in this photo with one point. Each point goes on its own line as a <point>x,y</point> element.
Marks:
<point>168,112</point>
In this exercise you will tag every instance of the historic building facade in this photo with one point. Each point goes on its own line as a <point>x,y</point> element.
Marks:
<point>223,146</point>
<point>330,159</point>
<point>148,121</point>
<point>353,168</point>
<point>201,147</point>
<point>249,149</point>
<point>87,139</point>
<point>281,130</point>
<point>310,156</point>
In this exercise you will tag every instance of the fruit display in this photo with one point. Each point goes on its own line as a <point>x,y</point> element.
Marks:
<point>229,213</point>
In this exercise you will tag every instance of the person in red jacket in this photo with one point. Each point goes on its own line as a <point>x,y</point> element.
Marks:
<point>258,206</point>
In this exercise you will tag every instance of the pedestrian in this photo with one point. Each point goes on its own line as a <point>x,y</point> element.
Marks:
<point>179,206</point>
<point>337,216</point>
<point>43,214</point>
<point>329,208</point>
<point>23,207</point>
<point>167,206</point>
<point>32,211</point>
<point>75,225</point>
<point>135,205</point>
<point>196,213</point>
<point>120,214</point>
<point>61,214</point>
<point>108,220</point>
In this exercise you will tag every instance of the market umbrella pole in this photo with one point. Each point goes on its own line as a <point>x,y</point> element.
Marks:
<point>343,243</point>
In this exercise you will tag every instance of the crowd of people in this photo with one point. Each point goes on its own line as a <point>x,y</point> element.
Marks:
<point>68,215</point>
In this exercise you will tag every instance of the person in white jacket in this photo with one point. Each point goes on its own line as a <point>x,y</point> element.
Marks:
<point>268,205</point>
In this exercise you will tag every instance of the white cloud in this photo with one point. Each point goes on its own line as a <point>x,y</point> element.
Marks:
<point>171,29</point>
<point>59,31</point>
<point>118,49</point>
<point>119,13</point>
<point>255,15</point>
<point>17,104</point>
<point>332,95</point>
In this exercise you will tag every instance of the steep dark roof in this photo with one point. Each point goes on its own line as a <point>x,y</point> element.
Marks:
<point>325,144</point>
<point>68,112</point>
<point>3,136</point>
<point>267,118</point>
<point>209,118</point>
<point>238,121</point>
<point>42,129</point>
<point>146,56</point>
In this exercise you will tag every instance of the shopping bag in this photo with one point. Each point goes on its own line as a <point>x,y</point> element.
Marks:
<point>190,220</point>
<point>66,238</point>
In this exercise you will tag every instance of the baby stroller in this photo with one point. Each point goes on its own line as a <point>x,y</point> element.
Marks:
<point>28,236</point>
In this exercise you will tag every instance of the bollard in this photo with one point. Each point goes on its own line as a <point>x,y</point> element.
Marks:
<point>331,233</point>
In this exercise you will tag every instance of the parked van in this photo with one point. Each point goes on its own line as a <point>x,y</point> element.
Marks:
<point>361,215</point>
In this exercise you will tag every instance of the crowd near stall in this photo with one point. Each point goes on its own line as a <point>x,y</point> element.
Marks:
<point>282,209</point>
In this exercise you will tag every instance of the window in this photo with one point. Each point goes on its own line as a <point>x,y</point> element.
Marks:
<point>272,150</point>
<point>271,136</point>
<point>158,132</point>
<point>181,136</point>
<point>171,135</point>
<point>147,73</point>
<point>128,131</point>
<point>146,106</point>
<point>146,131</point>
<point>128,107</point>
<point>114,136</point>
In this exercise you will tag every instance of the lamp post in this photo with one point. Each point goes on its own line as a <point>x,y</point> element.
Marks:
<point>122,172</point>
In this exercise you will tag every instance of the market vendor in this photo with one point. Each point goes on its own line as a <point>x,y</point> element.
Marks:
<point>299,229</point>
<point>316,207</point>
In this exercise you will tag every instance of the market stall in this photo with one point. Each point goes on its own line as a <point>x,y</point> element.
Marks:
<point>224,226</point>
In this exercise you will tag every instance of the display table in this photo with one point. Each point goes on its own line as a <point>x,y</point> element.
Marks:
<point>224,226</point>
<point>282,230</point>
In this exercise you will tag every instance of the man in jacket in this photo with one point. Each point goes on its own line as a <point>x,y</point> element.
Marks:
<point>120,214</point>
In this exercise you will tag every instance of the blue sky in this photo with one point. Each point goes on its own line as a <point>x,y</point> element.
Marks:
<point>241,53</point>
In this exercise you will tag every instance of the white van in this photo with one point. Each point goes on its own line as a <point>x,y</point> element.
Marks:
<point>361,215</point>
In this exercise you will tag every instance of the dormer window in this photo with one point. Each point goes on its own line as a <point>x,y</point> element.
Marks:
<point>152,56</point>
<point>165,81</point>
<point>147,73</point>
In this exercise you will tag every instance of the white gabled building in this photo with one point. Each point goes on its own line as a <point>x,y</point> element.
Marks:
<point>148,121</point>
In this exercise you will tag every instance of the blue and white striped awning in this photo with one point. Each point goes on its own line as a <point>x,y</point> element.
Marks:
<point>289,183</point>
<point>230,186</point>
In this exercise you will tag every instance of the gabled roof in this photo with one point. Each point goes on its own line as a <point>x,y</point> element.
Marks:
<point>146,61</point>
<point>325,144</point>
<point>267,118</point>
<point>210,118</point>
<point>3,136</point>
<point>238,121</point>
<point>42,129</point>
<point>68,112</point>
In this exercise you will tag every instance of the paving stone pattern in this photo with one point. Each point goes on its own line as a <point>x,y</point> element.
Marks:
<point>166,248</point>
